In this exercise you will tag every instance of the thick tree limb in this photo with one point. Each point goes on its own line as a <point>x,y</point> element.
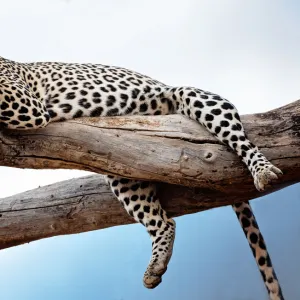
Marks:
<point>172,149</point>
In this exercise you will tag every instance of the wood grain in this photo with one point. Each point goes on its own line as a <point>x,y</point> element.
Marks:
<point>195,171</point>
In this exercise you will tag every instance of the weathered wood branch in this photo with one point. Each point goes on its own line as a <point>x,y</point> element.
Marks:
<point>172,149</point>
<point>84,204</point>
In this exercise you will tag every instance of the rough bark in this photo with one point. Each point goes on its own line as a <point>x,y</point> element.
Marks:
<point>172,149</point>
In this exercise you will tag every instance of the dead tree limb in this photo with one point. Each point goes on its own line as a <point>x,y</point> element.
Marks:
<point>172,149</point>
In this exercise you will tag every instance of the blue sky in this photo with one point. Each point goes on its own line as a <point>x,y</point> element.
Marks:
<point>247,51</point>
<point>211,260</point>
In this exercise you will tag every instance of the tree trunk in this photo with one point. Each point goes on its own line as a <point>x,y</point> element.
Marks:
<point>200,173</point>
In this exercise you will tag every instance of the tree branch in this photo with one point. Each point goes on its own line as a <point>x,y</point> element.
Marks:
<point>172,149</point>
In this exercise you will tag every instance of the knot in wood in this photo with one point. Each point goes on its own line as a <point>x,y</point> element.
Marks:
<point>209,156</point>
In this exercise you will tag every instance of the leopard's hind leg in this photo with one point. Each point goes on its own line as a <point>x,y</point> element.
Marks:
<point>221,118</point>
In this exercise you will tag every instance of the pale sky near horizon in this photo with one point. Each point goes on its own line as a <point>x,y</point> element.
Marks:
<point>247,51</point>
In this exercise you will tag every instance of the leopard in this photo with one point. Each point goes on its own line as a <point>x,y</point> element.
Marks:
<point>33,94</point>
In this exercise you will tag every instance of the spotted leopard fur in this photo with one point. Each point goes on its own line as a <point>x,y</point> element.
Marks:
<point>34,94</point>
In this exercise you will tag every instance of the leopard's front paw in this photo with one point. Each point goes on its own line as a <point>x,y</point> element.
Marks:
<point>265,176</point>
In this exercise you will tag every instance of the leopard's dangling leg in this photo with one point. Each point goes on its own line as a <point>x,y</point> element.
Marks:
<point>259,249</point>
<point>221,119</point>
<point>140,201</point>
